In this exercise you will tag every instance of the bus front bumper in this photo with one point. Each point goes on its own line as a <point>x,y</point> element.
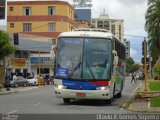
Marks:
<point>82,94</point>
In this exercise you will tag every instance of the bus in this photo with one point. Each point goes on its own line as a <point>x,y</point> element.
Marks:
<point>88,64</point>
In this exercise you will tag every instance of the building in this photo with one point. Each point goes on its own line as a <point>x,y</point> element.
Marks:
<point>44,18</point>
<point>26,45</point>
<point>41,62</point>
<point>82,24</point>
<point>82,10</point>
<point>83,14</point>
<point>113,25</point>
<point>2,9</point>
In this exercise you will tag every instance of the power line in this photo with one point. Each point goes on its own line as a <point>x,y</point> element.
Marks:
<point>134,36</point>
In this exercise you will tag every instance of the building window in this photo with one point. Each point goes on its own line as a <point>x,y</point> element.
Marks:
<point>93,21</point>
<point>51,27</point>
<point>25,55</point>
<point>11,25</point>
<point>27,27</point>
<point>11,8</point>
<point>51,10</point>
<point>18,54</point>
<point>27,11</point>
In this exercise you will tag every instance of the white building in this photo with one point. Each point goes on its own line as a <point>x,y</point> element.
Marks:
<point>113,25</point>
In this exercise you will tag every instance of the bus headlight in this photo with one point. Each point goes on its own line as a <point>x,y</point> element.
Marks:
<point>103,88</point>
<point>61,86</point>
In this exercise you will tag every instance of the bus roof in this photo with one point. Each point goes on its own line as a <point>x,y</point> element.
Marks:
<point>88,32</point>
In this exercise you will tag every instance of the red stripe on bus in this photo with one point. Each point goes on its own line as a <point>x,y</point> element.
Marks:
<point>102,83</point>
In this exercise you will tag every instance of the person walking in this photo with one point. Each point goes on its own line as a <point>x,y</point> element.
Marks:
<point>14,80</point>
<point>133,77</point>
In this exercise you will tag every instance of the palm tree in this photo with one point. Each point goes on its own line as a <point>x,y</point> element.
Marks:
<point>152,26</point>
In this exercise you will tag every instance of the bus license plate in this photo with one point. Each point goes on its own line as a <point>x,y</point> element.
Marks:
<point>80,94</point>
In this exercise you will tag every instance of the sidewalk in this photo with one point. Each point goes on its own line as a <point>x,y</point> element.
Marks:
<point>142,105</point>
<point>18,89</point>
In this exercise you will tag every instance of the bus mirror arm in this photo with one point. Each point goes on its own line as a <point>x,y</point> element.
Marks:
<point>115,57</point>
<point>115,60</point>
<point>53,52</point>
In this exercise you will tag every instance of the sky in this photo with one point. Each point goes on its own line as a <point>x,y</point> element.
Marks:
<point>133,13</point>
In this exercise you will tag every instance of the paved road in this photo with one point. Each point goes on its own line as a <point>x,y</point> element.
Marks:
<point>42,101</point>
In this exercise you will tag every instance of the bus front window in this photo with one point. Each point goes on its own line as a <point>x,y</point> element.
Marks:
<point>97,58</point>
<point>83,58</point>
<point>69,57</point>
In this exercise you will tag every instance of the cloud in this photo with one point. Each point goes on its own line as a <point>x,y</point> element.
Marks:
<point>133,52</point>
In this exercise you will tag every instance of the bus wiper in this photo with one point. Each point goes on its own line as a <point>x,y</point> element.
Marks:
<point>90,70</point>
<point>77,66</point>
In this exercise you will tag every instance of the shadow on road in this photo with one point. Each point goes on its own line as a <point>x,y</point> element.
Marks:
<point>90,103</point>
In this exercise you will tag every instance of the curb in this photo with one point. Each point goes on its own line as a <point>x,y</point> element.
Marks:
<point>128,106</point>
<point>144,111</point>
<point>14,91</point>
<point>8,92</point>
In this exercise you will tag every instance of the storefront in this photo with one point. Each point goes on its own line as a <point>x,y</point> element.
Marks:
<point>41,63</point>
<point>17,65</point>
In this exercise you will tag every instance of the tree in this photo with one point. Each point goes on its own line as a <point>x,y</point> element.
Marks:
<point>152,26</point>
<point>5,45</point>
<point>129,63</point>
<point>131,66</point>
<point>5,49</point>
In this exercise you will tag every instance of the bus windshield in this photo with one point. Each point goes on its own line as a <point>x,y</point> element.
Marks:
<point>84,58</point>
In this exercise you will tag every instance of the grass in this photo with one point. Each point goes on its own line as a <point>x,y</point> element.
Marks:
<point>155,86</point>
<point>155,102</point>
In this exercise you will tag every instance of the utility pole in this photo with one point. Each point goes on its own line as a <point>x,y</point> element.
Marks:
<point>150,66</point>
<point>39,64</point>
<point>144,53</point>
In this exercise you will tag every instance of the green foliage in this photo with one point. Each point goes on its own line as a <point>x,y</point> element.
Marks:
<point>153,28</point>
<point>155,102</point>
<point>131,66</point>
<point>154,86</point>
<point>5,46</point>
<point>157,70</point>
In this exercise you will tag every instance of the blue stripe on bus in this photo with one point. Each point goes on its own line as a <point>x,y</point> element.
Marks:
<point>79,85</point>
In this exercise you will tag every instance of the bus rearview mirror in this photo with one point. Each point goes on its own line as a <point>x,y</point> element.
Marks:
<point>53,52</point>
<point>115,60</point>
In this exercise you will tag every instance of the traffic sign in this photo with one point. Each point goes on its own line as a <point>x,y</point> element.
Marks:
<point>147,60</point>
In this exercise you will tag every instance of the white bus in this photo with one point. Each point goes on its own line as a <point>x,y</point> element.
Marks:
<point>89,64</point>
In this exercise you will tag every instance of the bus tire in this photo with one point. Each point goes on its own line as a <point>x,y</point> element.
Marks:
<point>119,95</point>
<point>109,101</point>
<point>66,100</point>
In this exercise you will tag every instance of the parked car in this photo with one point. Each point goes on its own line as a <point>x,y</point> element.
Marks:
<point>32,80</point>
<point>21,81</point>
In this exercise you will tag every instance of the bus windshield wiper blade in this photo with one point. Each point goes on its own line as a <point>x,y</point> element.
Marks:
<point>77,66</point>
<point>90,70</point>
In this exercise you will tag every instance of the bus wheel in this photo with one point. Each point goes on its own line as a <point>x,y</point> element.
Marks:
<point>119,95</point>
<point>109,101</point>
<point>66,100</point>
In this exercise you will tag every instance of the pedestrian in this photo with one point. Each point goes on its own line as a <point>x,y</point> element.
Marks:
<point>133,77</point>
<point>14,80</point>
<point>7,83</point>
<point>32,73</point>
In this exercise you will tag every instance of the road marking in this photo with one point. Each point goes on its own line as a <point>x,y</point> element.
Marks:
<point>36,104</point>
<point>12,111</point>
